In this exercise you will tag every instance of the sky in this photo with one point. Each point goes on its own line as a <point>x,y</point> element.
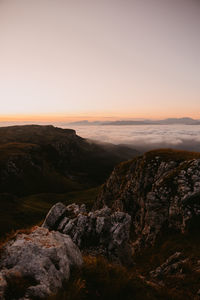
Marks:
<point>99,59</point>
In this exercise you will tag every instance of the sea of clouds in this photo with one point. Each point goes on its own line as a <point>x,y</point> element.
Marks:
<point>145,137</point>
<point>140,137</point>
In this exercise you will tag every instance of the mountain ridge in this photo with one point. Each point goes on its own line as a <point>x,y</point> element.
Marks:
<point>167,121</point>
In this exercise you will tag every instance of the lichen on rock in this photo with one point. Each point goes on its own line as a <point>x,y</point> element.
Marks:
<point>102,231</point>
<point>39,261</point>
<point>160,190</point>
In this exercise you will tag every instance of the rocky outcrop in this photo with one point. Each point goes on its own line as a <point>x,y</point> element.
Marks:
<point>36,265</point>
<point>160,190</point>
<point>177,272</point>
<point>97,232</point>
<point>171,267</point>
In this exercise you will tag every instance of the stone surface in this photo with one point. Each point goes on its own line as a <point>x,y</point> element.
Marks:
<point>39,261</point>
<point>54,215</point>
<point>101,231</point>
<point>160,190</point>
<point>172,266</point>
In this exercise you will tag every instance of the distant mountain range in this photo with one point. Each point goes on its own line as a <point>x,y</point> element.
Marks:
<point>169,121</point>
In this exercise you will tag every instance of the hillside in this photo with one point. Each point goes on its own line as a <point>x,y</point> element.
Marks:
<point>36,149</point>
<point>140,240</point>
<point>36,161</point>
<point>161,192</point>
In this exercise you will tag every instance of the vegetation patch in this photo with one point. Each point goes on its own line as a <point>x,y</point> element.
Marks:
<point>99,279</point>
<point>21,212</point>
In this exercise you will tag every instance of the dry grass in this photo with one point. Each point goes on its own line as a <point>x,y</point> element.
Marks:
<point>172,154</point>
<point>99,279</point>
<point>17,285</point>
<point>180,286</point>
<point>22,212</point>
<point>11,235</point>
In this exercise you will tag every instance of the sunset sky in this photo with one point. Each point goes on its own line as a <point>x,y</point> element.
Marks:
<point>99,58</point>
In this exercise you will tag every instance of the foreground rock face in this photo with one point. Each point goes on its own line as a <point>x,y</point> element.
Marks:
<point>172,266</point>
<point>160,190</point>
<point>176,272</point>
<point>35,265</point>
<point>101,231</point>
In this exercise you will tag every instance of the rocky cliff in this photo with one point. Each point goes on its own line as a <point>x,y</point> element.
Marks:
<point>161,192</point>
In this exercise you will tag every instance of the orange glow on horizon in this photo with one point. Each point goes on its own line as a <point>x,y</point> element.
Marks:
<point>89,117</point>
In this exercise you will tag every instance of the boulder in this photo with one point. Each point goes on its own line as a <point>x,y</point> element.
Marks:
<point>54,216</point>
<point>35,265</point>
<point>101,231</point>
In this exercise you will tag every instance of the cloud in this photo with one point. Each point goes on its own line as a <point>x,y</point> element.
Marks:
<point>141,137</point>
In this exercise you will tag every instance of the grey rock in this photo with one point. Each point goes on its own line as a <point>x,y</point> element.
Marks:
<point>56,213</point>
<point>173,265</point>
<point>157,193</point>
<point>68,227</point>
<point>63,223</point>
<point>3,286</point>
<point>73,208</point>
<point>101,231</point>
<point>83,208</point>
<point>44,257</point>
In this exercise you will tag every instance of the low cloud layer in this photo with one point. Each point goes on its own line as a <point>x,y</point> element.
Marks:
<point>140,137</point>
<point>143,137</point>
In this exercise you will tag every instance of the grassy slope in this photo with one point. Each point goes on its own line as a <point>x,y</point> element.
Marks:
<point>99,279</point>
<point>164,154</point>
<point>34,174</point>
<point>172,154</point>
<point>40,165</point>
<point>16,213</point>
<point>189,245</point>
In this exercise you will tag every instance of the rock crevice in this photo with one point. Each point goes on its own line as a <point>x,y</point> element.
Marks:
<point>102,231</point>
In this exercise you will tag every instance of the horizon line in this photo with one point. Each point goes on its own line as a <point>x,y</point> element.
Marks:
<point>83,117</point>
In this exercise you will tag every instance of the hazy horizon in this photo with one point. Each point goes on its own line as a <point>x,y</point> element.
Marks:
<point>72,119</point>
